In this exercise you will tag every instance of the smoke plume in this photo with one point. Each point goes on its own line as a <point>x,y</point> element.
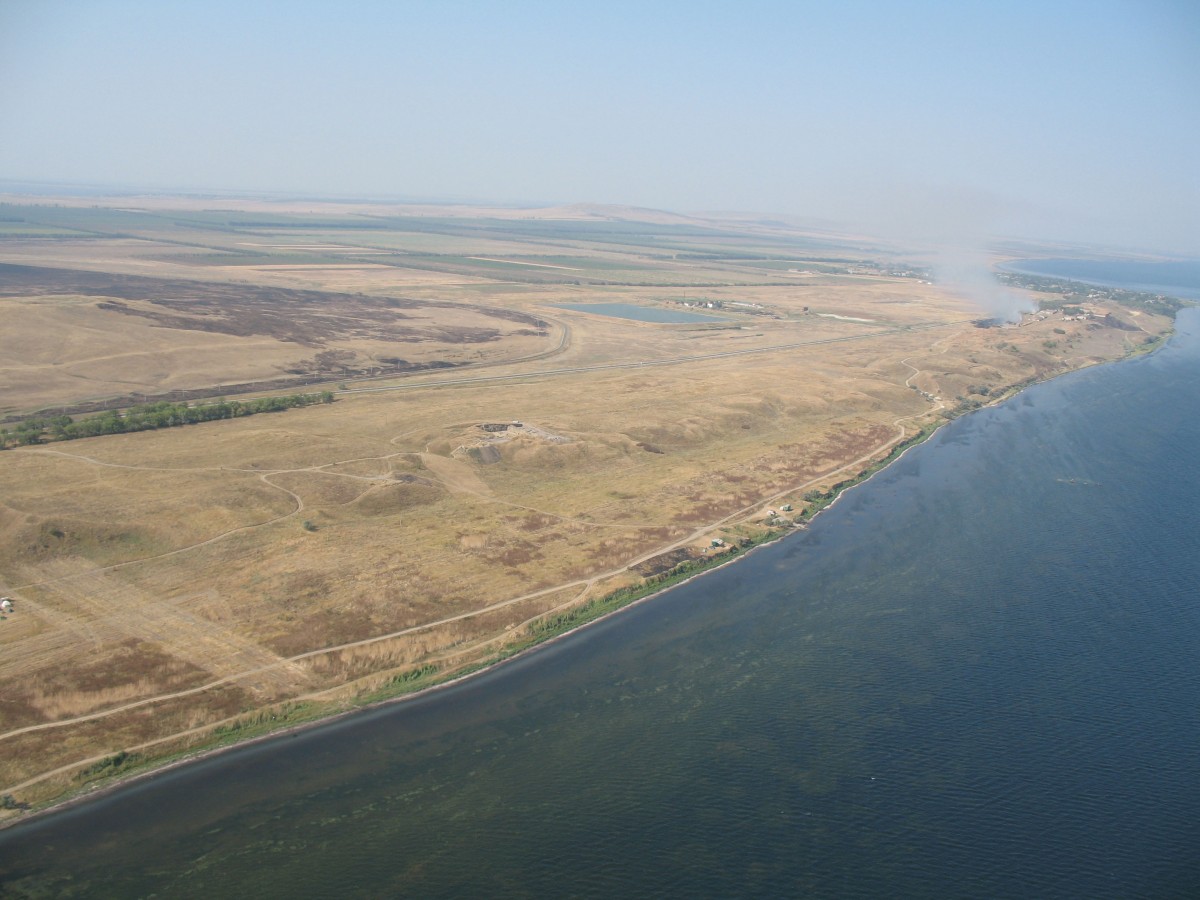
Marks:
<point>967,271</point>
<point>953,226</point>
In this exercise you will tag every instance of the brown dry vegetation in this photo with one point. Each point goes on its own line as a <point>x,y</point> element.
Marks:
<point>73,337</point>
<point>167,581</point>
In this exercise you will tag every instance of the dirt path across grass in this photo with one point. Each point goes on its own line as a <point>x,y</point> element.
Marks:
<point>244,666</point>
<point>584,584</point>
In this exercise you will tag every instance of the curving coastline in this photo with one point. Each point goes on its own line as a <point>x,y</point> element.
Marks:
<point>578,616</point>
<point>585,614</point>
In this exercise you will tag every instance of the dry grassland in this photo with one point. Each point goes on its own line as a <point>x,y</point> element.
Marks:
<point>74,337</point>
<point>167,582</point>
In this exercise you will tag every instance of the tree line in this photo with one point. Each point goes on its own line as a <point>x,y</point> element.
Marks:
<point>149,417</point>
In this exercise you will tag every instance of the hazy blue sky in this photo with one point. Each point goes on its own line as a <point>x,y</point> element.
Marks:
<point>1043,118</point>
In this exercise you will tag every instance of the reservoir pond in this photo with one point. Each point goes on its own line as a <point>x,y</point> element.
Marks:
<point>656,314</point>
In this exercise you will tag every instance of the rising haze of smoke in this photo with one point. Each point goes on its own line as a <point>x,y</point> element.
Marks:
<point>967,272</point>
<point>954,226</point>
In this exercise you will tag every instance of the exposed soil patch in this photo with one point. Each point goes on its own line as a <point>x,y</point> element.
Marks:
<point>532,522</point>
<point>664,562</point>
<point>487,455</point>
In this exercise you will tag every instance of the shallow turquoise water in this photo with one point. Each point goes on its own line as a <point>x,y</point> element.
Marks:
<point>974,676</point>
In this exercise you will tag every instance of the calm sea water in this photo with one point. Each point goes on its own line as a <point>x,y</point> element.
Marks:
<point>975,676</point>
<point>1175,278</point>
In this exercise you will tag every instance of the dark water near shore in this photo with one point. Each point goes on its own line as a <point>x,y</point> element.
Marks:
<point>1174,278</point>
<point>975,676</point>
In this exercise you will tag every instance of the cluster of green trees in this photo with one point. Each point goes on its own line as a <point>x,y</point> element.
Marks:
<point>148,417</point>
<point>1075,292</point>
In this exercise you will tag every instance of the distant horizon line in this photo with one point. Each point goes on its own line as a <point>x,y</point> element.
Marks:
<point>81,189</point>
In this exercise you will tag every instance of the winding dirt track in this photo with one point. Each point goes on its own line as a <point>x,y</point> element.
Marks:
<point>584,583</point>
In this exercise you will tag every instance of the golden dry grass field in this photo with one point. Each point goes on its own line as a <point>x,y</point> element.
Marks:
<point>166,583</point>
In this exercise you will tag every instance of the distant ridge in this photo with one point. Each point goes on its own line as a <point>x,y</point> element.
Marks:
<point>614,213</point>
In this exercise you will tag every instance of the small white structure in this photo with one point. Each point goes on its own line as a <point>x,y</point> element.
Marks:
<point>6,605</point>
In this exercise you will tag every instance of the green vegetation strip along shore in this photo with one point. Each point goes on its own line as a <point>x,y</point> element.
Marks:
<point>150,417</point>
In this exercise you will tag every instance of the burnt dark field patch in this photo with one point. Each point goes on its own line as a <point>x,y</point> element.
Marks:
<point>334,326</point>
<point>310,318</point>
